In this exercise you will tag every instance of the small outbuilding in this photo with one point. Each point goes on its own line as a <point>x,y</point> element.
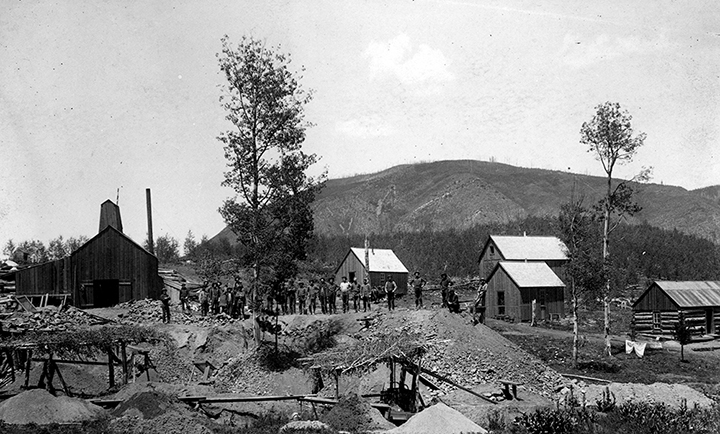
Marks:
<point>512,287</point>
<point>383,263</point>
<point>659,308</point>
<point>548,249</point>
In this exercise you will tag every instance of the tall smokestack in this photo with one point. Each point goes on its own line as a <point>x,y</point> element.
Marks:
<point>151,243</point>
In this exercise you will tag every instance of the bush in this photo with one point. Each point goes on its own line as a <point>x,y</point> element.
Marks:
<point>558,421</point>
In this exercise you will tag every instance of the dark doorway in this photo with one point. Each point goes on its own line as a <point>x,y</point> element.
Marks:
<point>106,292</point>
<point>709,326</point>
<point>351,276</point>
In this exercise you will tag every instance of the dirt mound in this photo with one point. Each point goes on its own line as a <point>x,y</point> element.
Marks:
<point>471,355</point>
<point>671,394</point>
<point>40,407</point>
<point>354,414</point>
<point>147,405</point>
<point>438,419</point>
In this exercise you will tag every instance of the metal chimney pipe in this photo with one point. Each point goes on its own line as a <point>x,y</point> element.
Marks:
<point>151,243</point>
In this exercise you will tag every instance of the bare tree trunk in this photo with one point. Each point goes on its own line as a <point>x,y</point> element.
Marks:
<point>256,325</point>
<point>606,254</point>
<point>575,324</point>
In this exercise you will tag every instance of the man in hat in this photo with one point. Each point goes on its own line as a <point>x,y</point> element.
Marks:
<point>184,294</point>
<point>417,285</point>
<point>390,288</point>
<point>479,316</point>
<point>165,305</point>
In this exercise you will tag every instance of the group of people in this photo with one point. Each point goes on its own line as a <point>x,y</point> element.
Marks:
<point>214,298</point>
<point>291,297</point>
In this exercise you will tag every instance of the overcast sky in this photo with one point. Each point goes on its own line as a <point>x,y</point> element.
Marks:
<point>101,95</point>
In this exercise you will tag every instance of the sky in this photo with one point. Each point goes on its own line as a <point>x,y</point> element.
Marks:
<point>103,99</point>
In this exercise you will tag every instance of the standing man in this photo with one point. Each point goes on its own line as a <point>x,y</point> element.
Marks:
<point>345,292</point>
<point>184,294</point>
<point>417,284</point>
<point>480,302</point>
<point>165,300</point>
<point>312,296</point>
<point>365,290</point>
<point>444,284</point>
<point>452,300</point>
<point>323,294</point>
<point>332,295</point>
<point>223,300</point>
<point>356,295</point>
<point>203,299</point>
<point>302,298</point>
<point>390,288</point>
<point>291,296</point>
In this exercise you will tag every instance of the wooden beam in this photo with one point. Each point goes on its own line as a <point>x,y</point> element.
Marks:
<point>449,381</point>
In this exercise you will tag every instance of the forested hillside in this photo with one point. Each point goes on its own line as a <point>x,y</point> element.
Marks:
<point>638,251</point>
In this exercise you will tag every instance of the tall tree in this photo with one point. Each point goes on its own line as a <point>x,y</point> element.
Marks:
<point>57,248</point>
<point>190,245</point>
<point>611,137</point>
<point>267,168</point>
<point>73,243</point>
<point>167,249</point>
<point>579,232</point>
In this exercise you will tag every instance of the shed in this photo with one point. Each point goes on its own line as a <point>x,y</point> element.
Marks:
<point>547,249</point>
<point>108,269</point>
<point>512,286</point>
<point>383,264</point>
<point>658,309</point>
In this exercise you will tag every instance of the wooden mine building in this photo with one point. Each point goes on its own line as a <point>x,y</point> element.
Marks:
<point>110,268</point>
<point>383,264</point>
<point>512,287</point>
<point>545,249</point>
<point>658,309</point>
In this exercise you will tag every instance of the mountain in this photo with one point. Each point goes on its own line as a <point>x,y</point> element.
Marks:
<point>460,194</point>
<point>463,193</point>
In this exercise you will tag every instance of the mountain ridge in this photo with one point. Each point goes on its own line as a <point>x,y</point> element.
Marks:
<point>457,194</point>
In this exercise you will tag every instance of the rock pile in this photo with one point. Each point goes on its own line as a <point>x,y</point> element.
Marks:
<point>48,319</point>
<point>147,310</point>
<point>40,407</point>
<point>438,419</point>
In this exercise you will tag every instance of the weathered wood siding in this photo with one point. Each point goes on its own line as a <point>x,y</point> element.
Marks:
<point>112,256</point>
<point>352,263</point>
<point>654,299</point>
<point>49,278</point>
<point>695,319</point>
<point>490,257</point>
<point>518,301</point>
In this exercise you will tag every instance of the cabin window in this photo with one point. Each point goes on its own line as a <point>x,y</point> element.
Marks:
<point>501,302</point>
<point>657,321</point>
<point>492,250</point>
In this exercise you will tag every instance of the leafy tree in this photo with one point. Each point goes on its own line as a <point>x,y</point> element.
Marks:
<point>73,243</point>
<point>9,248</point>
<point>31,251</point>
<point>610,136</point>
<point>271,213</point>
<point>585,270</point>
<point>167,249</point>
<point>57,249</point>
<point>190,245</point>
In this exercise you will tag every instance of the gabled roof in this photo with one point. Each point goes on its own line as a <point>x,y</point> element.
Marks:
<point>689,293</point>
<point>529,274</point>
<point>110,228</point>
<point>531,248</point>
<point>381,260</point>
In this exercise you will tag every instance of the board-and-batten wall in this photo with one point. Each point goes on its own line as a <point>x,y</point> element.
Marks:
<point>518,301</point>
<point>351,264</point>
<point>112,256</point>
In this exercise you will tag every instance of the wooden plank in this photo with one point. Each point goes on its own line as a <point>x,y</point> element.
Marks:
<point>449,381</point>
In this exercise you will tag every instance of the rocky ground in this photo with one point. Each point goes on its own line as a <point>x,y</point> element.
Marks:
<point>474,356</point>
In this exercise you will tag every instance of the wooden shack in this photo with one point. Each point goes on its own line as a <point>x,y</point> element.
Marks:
<point>512,287</point>
<point>658,309</point>
<point>383,264</point>
<point>547,249</point>
<point>108,269</point>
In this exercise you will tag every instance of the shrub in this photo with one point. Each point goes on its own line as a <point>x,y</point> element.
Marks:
<point>607,402</point>
<point>556,421</point>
